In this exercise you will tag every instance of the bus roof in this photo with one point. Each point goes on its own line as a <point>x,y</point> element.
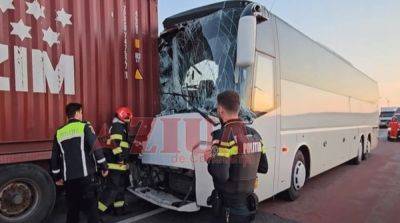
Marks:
<point>201,12</point>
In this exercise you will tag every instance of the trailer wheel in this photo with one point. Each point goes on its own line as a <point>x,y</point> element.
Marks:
<point>27,194</point>
<point>298,179</point>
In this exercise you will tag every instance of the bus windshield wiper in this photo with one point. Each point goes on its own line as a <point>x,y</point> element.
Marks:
<point>194,108</point>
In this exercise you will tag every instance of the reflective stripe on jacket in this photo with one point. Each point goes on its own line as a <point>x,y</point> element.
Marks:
<point>76,152</point>
<point>237,155</point>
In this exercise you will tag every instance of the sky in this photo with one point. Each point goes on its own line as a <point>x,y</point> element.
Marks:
<point>365,32</point>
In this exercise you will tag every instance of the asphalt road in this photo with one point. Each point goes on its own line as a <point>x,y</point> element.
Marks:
<point>365,193</point>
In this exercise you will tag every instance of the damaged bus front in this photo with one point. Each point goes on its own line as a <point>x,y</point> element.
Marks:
<point>198,60</point>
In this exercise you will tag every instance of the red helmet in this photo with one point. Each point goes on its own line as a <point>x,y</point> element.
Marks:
<point>124,114</point>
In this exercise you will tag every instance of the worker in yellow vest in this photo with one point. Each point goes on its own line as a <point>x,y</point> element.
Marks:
<point>117,155</point>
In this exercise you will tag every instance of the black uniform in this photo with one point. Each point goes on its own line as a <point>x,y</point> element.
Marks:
<point>75,158</point>
<point>117,156</point>
<point>237,156</point>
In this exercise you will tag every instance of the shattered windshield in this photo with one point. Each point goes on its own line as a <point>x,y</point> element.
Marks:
<point>198,60</point>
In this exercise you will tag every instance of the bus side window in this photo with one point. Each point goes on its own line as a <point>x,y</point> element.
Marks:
<point>263,98</point>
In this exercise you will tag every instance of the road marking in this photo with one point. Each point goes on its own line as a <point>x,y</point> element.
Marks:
<point>143,216</point>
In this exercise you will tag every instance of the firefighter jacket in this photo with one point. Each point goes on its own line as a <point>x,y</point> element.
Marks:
<point>76,151</point>
<point>119,145</point>
<point>237,156</point>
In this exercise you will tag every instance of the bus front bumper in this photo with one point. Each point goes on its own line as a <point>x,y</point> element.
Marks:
<point>164,200</point>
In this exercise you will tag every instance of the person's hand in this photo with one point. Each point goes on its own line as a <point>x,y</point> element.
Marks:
<point>207,155</point>
<point>104,173</point>
<point>60,182</point>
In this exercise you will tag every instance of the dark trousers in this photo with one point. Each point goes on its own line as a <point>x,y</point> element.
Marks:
<point>114,192</point>
<point>81,196</point>
<point>234,209</point>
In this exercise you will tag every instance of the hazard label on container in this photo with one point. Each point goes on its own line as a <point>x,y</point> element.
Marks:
<point>138,56</point>
<point>138,75</point>
<point>137,43</point>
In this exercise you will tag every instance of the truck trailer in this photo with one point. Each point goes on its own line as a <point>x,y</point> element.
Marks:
<point>313,109</point>
<point>102,54</point>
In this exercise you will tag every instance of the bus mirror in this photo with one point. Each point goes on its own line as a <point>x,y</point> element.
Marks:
<point>246,41</point>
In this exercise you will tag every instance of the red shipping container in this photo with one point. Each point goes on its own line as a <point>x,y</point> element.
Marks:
<point>102,54</point>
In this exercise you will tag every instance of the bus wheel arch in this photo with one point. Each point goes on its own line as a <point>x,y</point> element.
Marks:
<point>360,151</point>
<point>306,153</point>
<point>367,147</point>
<point>300,173</point>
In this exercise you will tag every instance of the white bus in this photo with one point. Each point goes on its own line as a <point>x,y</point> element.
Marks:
<point>313,109</point>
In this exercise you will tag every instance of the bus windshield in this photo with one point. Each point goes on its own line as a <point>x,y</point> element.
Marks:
<point>198,60</point>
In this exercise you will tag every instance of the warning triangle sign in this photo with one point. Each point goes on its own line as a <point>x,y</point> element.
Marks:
<point>138,75</point>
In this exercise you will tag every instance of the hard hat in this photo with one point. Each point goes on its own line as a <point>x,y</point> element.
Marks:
<point>124,114</point>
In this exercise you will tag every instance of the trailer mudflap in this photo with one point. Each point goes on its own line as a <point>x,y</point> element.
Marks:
<point>164,199</point>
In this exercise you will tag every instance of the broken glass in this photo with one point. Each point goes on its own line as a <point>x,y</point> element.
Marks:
<point>198,60</point>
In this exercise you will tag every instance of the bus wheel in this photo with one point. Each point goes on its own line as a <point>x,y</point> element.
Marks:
<point>299,176</point>
<point>358,159</point>
<point>27,194</point>
<point>367,150</point>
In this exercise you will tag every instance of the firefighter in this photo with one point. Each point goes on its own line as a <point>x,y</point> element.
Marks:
<point>236,156</point>
<point>117,155</point>
<point>73,163</point>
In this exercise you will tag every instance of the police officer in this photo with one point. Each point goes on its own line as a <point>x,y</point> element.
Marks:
<point>237,155</point>
<point>117,155</point>
<point>75,158</point>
